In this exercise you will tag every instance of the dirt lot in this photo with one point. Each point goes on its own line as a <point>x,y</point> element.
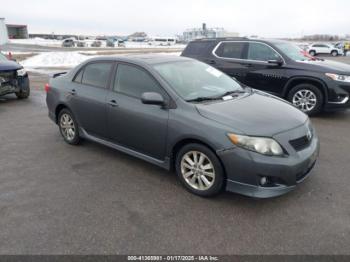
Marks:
<point>89,199</point>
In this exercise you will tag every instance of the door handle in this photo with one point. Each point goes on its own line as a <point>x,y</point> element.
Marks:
<point>72,92</point>
<point>113,103</point>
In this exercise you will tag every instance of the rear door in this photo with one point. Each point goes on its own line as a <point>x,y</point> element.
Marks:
<point>261,74</point>
<point>131,123</point>
<point>230,59</point>
<point>88,97</point>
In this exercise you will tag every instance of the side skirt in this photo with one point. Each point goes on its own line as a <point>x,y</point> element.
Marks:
<point>163,164</point>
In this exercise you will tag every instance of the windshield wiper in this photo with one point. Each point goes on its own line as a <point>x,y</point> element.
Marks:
<point>211,98</point>
<point>202,99</point>
<point>232,92</point>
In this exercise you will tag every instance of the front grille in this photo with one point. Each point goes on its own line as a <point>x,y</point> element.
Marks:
<point>300,143</point>
<point>7,78</point>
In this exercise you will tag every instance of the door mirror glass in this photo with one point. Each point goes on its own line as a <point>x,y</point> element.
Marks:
<point>152,98</point>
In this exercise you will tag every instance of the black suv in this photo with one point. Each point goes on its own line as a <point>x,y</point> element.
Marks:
<point>280,68</point>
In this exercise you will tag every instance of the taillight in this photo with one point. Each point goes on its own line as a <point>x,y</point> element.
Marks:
<point>47,88</point>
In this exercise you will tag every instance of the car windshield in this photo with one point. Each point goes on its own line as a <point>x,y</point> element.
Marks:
<point>195,80</point>
<point>293,51</point>
<point>2,57</point>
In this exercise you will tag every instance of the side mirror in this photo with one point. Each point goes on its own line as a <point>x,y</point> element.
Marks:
<point>152,98</point>
<point>277,62</point>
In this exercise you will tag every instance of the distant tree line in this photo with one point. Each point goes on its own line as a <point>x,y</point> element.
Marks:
<point>320,37</point>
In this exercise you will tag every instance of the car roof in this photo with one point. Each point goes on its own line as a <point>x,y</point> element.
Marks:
<point>143,59</point>
<point>246,39</point>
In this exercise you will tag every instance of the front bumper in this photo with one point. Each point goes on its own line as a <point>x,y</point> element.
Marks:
<point>244,169</point>
<point>15,85</point>
<point>338,96</point>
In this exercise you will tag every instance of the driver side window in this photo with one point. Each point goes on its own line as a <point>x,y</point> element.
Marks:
<point>261,52</point>
<point>133,81</point>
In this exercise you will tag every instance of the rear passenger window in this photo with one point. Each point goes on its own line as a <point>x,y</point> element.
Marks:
<point>97,74</point>
<point>198,48</point>
<point>261,52</point>
<point>133,81</point>
<point>231,50</point>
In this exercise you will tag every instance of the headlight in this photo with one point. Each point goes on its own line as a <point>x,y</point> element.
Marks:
<point>262,145</point>
<point>341,78</point>
<point>21,72</point>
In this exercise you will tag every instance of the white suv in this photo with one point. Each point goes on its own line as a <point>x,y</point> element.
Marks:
<point>321,48</point>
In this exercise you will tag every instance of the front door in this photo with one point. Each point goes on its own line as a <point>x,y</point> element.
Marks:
<point>131,123</point>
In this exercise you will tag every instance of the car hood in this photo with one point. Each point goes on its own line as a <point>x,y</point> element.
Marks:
<point>257,114</point>
<point>9,65</point>
<point>325,66</point>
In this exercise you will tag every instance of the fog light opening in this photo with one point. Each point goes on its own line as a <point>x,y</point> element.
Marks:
<point>264,181</point>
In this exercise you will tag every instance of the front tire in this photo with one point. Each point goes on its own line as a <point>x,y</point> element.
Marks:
<point>23,93</point>
<point>200,170</point>
<point>68,127</point>
<point>334,53</point>
<point>306,97</point>
<point>312,53</point>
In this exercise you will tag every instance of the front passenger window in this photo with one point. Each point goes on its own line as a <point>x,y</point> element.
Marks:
<point>261,52</point>
<point>133,81</point>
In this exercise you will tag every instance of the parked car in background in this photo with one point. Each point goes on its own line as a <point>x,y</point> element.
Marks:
<point>321,48</point>
<point>13,79</point>
<point>81,44</point>
<point>180,113</point>
<point>280,68</point>
<point>69,42</point>
<point>96,43</point>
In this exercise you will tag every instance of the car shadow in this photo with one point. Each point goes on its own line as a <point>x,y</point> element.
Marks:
<point>153,171</point>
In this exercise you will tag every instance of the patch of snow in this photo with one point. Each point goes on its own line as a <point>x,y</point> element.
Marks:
<point>37,41</point>
<point>55,59</point>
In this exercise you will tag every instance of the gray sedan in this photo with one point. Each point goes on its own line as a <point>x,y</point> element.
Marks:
<point>182,114</point>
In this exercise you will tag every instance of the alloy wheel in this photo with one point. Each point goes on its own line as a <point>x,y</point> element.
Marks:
<point>305,100</point>
<point>197,170</point>
<point>67,126</point>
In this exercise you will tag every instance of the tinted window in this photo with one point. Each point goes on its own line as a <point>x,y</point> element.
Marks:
<point>231,50</point>
<point>133,81</point>
<point>261,52</point>
<point>320,45</point>
<point>96,74</point>
<point>198,48</point>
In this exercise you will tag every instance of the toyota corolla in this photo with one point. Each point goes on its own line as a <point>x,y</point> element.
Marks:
<point>182,114</point>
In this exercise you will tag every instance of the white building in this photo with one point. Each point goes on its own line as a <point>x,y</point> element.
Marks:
<point>204,32</point>
<point>3,32</point>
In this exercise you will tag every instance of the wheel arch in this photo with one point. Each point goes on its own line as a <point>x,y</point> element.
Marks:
<point>58,109</point>
<point>191,140</point>
<point>305,80</point>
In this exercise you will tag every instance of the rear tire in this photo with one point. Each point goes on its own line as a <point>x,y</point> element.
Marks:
<point>306,97</point>
<point>23,93</point>
<point>200,170</point>
<point>68,126</point>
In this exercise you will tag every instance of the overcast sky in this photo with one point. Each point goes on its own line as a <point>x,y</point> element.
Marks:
<point>268,18</point>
